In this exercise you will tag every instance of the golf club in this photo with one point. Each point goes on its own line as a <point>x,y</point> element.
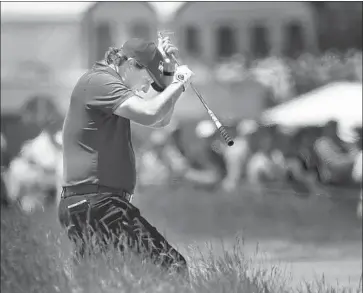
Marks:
<point>222,130</point>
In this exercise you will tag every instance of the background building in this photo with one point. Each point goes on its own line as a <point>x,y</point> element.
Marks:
<point>38,56</point>
<point>339,24</point>
<point>221,29</point>
<point>45,54</point>
<point>108,24</point>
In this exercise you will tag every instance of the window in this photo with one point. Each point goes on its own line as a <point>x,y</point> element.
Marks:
<point>141,30</point>
<point>104,40</point>
<point>226,42</point>
<point>259,41</point>
<point>192,40</point>
<point>294,41</point>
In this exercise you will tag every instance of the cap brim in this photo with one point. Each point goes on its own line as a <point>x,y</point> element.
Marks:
<point>154,71</point>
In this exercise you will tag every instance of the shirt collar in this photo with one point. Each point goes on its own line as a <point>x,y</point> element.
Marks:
<point>103,66</point>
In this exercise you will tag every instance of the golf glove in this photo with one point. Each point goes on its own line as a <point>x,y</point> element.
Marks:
<point>183,75</point>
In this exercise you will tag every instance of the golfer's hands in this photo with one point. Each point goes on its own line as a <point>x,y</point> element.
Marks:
<point>167,49</point>
<point>183,75</point>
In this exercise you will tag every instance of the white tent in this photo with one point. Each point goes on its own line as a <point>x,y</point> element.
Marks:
<point>341,101</point>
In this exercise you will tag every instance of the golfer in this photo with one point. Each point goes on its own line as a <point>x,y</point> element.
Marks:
<point>99,161</point>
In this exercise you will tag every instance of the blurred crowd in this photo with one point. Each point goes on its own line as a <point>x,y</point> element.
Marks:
<point>31,179</point>
<point>285,77</point>
<point>306,161</point>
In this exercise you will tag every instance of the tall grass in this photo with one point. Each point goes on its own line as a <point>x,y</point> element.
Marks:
<point>33,261</point>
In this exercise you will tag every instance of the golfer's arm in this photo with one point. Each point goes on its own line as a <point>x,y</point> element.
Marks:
<point>166,119</point>
<point>149,112</point>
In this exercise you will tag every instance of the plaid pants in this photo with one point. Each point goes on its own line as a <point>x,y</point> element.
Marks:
<point>109,218</point>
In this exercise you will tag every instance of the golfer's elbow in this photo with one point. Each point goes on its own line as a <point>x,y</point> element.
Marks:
<point>161,110</point>
<point>151,116</point>
<point>157,117</point>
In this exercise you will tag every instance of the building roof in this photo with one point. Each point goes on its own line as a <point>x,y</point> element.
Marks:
<point>94,5</point>
<point>72,11</point>
<point>180,10</point>
<point>167,10</point>
<point>47,11</point>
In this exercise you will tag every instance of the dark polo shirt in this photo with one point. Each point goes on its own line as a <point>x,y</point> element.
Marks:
<point>97,143</point>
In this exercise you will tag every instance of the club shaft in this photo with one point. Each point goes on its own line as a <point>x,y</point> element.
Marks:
<point>214,118</point>
<point>193,87</point>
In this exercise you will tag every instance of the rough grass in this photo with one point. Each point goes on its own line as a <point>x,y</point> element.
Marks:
<point>32,261</point>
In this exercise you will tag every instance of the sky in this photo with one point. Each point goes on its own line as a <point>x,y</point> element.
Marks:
<point>164,9</point>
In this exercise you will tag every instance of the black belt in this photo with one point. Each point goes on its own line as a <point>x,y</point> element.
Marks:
<point>94,189</point>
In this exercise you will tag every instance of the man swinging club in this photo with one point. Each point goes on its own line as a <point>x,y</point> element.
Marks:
<point>99,161</point>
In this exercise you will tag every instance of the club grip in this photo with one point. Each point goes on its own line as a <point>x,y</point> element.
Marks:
<point>226,136</point>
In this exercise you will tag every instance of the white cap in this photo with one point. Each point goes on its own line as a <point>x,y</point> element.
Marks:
<point>205,129</point>
<point>246,127</point>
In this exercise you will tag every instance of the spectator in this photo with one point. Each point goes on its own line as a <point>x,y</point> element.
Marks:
<point>210,168</point>
<point>357,168</point>
<point>359,206</point>
<point>237,156</point>
<point>4,153</point>
<point>335,162</point>
<point>4,192</point>
<point>164,153</point>
<point>153,170</point>
<point>260,169</point>
<point>280,141</point>
<point>174,153</point>
<point>3,143</point>
<point>357,171</point>
<point>300,164</point>
<point>34,176</point>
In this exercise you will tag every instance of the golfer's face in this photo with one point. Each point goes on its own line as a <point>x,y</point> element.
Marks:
<point>140,80</point>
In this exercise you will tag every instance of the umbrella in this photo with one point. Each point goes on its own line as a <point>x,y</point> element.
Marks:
<point>341,101</point>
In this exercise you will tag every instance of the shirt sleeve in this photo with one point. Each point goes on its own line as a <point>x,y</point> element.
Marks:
<point>107,93</point>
